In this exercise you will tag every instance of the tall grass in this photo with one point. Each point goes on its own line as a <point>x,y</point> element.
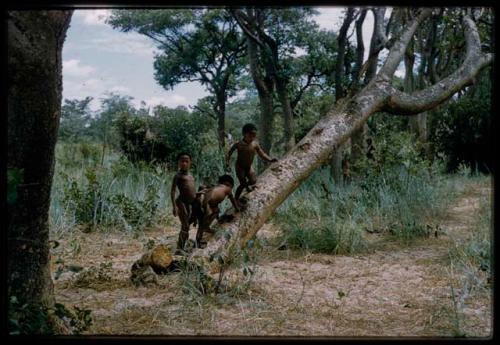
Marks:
<point>323,217</point>
<point>84,191</point>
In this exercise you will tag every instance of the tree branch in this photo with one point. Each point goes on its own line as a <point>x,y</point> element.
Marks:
<point>398,49</point>
<point>244,26</point>
<point>408,104</point>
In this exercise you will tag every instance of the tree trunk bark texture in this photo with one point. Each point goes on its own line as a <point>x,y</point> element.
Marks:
<point>35,40</point>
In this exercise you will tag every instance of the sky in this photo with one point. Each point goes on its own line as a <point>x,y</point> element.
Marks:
<point>98,59</point>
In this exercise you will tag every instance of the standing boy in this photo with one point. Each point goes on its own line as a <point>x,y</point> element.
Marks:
<point>183,205</point>
<point>247,147</point>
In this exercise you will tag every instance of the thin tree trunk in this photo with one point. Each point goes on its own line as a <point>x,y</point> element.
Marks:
<point>358,144</point>
<point>289,125</point>
<point>338,153</point>
<point>35,40</point>
<point>221,118</point>
<point>264,87</point>
<point>358,139</point>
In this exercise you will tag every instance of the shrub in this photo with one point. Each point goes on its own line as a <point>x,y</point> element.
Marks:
<point>461,131</point>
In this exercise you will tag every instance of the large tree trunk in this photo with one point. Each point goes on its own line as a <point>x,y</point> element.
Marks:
<point>278,181</point>
<point>35,40</point>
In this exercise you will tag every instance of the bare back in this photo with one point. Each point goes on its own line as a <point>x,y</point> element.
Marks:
<point>217,194</point>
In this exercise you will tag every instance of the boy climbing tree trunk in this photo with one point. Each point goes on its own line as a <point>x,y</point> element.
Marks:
<point>35,40</point>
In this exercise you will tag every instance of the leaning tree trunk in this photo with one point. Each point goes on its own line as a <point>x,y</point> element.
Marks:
<point>281,178</point>
<point>35,40</point>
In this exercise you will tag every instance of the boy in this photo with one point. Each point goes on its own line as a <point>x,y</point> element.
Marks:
<point>247,147</point>
<point>210,200</point>
<point>183,205</point>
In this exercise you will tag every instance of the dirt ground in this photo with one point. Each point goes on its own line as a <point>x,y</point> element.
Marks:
<point>390,290</point>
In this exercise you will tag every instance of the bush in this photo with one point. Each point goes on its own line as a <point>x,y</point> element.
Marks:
<point>395,191</point>
<point>139,141</point>
<point>461,131</point>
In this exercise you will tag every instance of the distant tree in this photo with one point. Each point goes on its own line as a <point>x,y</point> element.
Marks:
<point>103,125</point>
<point>75,119</point>
<point>273,35</point>
<point>201,45</point>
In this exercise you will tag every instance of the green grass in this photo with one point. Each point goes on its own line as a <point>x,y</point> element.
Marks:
<point>111,195</point>
<point>322,217</point>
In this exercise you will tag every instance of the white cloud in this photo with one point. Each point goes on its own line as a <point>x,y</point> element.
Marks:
<point>172,101</point>
<point>330,18</point>
<point>120,89</point>
<point>93,17</point>
<point>123,43</point>
<point>74,68</point>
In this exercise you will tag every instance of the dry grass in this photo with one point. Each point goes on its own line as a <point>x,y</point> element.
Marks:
<point>389,290</point>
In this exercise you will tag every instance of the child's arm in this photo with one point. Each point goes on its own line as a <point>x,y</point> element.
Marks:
<point>263,155</point>
<point>233,201</point>
<point>230,152</point>
<point>172,195</point>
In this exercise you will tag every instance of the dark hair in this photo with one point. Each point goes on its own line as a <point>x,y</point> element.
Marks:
<point>226,178</point>
<point>184,154</point>
<point>249,127</point>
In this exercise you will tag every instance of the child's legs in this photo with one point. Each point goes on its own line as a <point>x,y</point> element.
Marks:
<point>208,218</point>
<point>252,180</point>
<point>242,177</point>
<point>184,213</point>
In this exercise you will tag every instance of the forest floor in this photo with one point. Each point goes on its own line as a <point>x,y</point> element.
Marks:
<point>389,290</point>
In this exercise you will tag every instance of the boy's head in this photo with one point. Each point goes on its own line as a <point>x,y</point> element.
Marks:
<point>184,161</point>
<point>249,132</point>
<point>227,180</point>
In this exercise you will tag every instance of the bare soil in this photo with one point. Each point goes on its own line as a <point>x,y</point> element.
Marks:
<point>390,290</point>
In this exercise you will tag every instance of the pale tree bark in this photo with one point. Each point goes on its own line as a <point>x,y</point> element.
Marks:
<point>35,40</point>
<point>277,182</point>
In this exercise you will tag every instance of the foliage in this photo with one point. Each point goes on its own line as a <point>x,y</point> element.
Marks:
<point>196,45</point>
<point>75,119</point>
<point>28,319</point>
<point>461,130</point>
<point>25,318</point>
<point>103,126</point>
<point>182,131</point>
<point>93,203</point>
<point>139,141</point>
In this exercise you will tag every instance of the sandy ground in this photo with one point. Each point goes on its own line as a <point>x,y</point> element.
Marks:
<point>392,290</point>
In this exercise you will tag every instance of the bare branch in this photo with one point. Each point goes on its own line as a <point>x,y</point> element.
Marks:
<point>204,111</point>
<point>398,49</point>
<point>244,24</point>
<point>408,104</point>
